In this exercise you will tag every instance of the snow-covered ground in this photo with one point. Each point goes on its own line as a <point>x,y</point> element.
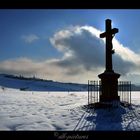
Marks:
<point>29,110</point>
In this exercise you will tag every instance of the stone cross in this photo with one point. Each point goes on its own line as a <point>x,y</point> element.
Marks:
<point>109,34</point>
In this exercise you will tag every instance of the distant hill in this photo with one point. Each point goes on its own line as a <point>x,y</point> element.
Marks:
<point>36,84</point>
<point>135,87</point>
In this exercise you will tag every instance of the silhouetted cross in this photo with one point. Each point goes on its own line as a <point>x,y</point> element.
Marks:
<point>109,34</point>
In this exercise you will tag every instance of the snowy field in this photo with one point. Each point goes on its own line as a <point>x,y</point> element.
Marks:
<point>56,111</point>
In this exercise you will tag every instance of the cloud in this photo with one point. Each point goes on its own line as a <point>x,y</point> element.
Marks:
<point>27,67</point>
<point>80,47</point>
<point>83,47</point>
<point>83,58</point>
<point>30,38</point>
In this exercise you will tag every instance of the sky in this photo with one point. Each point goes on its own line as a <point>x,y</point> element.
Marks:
<point>64,44</point>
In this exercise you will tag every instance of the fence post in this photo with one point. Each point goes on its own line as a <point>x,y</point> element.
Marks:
<point>88,92</point>
<point>130,92</point>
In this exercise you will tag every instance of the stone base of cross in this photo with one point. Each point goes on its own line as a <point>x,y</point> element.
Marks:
<point>109,86</point>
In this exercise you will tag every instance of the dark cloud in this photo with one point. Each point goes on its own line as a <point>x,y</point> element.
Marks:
<point>121,66</point>
<point>86,49</point>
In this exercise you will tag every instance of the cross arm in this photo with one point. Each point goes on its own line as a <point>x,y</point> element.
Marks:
<point>114,31</point>
<point>111,32</point>
<point>103,35</point>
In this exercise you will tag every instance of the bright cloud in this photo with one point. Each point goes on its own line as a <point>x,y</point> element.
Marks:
<point>83,47</point>
<point>30,38</point>
<point>83,57</point>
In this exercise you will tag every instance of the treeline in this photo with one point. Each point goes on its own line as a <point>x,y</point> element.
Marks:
<point>26,78</point>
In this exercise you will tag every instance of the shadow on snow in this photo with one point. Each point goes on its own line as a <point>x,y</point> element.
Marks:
<point>110,119</point>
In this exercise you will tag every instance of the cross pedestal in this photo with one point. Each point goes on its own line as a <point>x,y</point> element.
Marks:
<point>109,86</point>
<point>109,79</point>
